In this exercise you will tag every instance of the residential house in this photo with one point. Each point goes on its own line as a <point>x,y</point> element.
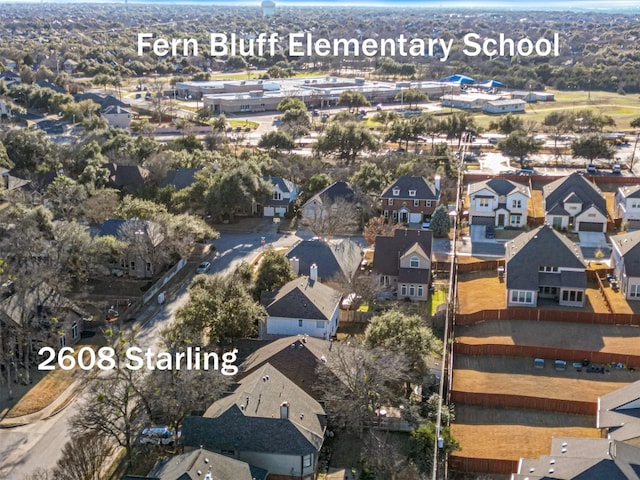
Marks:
<point>497,107</point>
<point>544,264</point>
<point>336,260</point>
<point>49,314</point>
<point>625,261</point>
<point>283,193</point>
<point>70,66</point>
<point>5,111</point>
<point>302,306</point>
<point>410,199</point>
<point>10,182</point>
<point>498,202</point>
<point>143,257</point>
<point>116,116</point>
<point>268,422</point>
<point>9,78</point>
<point>318,206</point>
<point>126,178</point>
<point>180,178</point>
<point>619,414</point>
<point>297,357</point>
<point>402,263</point>
<point>627,202</point>
<point>583,458</point>
<point>574,203</point>
<point>203,464</point>
<point>51,86</point>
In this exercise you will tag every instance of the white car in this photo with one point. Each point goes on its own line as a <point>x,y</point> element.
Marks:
<point>204,267</point>
<point>158,435</point>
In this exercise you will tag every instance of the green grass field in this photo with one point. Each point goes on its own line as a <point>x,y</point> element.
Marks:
<point>438,297</point>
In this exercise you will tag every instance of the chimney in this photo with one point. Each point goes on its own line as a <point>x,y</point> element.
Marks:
<point>295,265</point>
<point>436,181</point>
<point>313,272</point>
<point>284,410</point>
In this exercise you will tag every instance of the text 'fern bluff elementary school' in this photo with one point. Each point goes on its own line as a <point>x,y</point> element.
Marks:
<point>304,44</point>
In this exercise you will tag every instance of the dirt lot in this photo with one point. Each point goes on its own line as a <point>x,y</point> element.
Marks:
<point>588,337</point>
<point>512,434</point>
<point>517,376</point>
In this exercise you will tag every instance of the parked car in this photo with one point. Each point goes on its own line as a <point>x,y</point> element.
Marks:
<point>591,169</point>
<point>157,435</point>
<point>490,232</point>
<point>204,267</point>
<point>493,140</point>
<point>616,169</point>
<point>426,224</point>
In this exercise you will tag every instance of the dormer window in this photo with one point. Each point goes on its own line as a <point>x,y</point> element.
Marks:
<point>414,262</point>
<point>277,195</point>
<point>396,192</point>
<point>412,193</point>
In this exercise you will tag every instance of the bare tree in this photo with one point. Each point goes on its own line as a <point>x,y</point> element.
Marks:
<point>84,457</point>
<point>332,217</point>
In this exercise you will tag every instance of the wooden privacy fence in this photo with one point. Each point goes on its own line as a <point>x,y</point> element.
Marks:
<point>353,316</point>
<point>483,266</point>
<point>484,465</point>
<point>502,400</point>
<point>568,316</point>
<point>549,353</point>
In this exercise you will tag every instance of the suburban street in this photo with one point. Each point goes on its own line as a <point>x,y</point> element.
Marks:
<point>36,445</point>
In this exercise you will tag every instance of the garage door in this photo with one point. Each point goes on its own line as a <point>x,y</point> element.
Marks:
<point>268,211</point>
<point>591,227</point>
<point>476,220</point>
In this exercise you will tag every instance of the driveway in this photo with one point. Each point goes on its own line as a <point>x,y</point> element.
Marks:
<point>592,239</point>
<point>478,233</point>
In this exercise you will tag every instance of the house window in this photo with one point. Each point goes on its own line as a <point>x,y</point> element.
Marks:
<point>306,461</point>
<point>395,214</point>
<point>484,202</point>
<point>396,192</point>
<point>635,203</point>
<point>132,265</point>
<point>516,204</point>
<point>414,262</point>
<point>390,201</point>
<point>384,280</point>
<point>634,290</point>
<point>427,203</point>
<point>571,296</point>
<point>148,266</point>
<point>300,323</point>
<point>420,291</point>
<point>386,214</point>
<point>412,290</point>
<point>412,193</point>
<point>516,220</point>
<point>63,341</point>
<point>416,203</point>
<point>403,291</point>
<point>74,330</point>
<point>521,296</point>
<point>277,195</point>
<point>319,324</point>
<point>548,269</point>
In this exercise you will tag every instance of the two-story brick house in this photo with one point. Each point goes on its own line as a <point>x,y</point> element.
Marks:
<point>498,202</point>
<point>628,207</point>
<point>410,199</point>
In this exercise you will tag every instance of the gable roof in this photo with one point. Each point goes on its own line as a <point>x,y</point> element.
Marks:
<point>102,99</point>
<point>295,357</point>
<point>628,245</point>
<point>195,464</point>
<point>542,246</point>
<point>282,183</point>
<point>500,186</point>
<point>388,250</point>
<point>250,418</point>
<point>556,192</point>
<point>302,298</point>
<point>630,191</point>
<point>125,177</point>
<point>619,411</point>
<point>424,189</point>
<point>334,258</point>
<point>334,191</point>
<point>115,227</point>
<point>180,178</point>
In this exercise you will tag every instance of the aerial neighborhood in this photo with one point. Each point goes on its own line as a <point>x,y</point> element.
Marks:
<point>236,267</point>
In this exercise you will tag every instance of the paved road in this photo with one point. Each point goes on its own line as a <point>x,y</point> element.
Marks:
<point>39,445</point>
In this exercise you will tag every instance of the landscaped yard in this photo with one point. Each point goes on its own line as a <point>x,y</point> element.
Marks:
<point>480,291</point>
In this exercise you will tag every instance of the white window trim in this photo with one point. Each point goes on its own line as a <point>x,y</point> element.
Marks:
<point>396,192</point>
<point>412,193</point>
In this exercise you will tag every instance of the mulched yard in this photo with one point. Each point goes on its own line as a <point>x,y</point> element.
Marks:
<point>511,434</point>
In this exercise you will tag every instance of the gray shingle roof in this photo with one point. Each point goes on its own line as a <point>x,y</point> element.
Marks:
<point>628,244</point>
<point>334,191</point>
<point>187,466</point>
<point>620,412</point>
<point>555,192</point>
<point>386,256</point>
<point>180,178</point>
<point>304,299</point>
<point>630,191</point>
<point>500,186</point>
<point>250,418</point>
<point>424,189</point>
<point>283,184</point>
<point>542,246</point>
<point>334,259</point>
